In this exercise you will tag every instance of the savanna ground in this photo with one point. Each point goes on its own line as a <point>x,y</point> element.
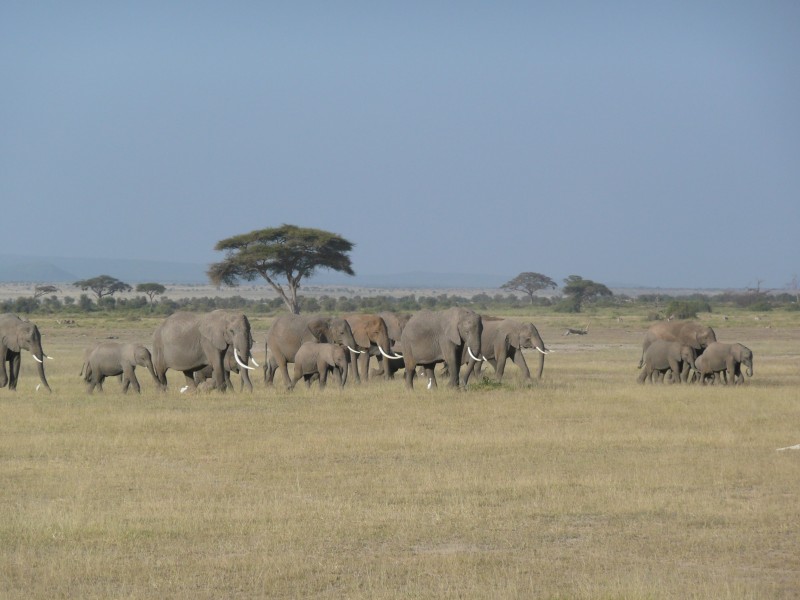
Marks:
<point>583,485</point>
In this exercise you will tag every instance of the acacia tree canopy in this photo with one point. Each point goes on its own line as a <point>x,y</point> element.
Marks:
<point>103,285</point>
<point>288,251</point>
<point>151,289</point>
<point>529,283</point>
<point>582,290</point>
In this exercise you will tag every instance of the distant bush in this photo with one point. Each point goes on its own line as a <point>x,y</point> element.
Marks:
<point>687,309</point>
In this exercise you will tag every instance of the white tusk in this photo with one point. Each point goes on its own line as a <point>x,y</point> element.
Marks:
<point>483,358</point>
<point>239,360</point>
<point>38,385</point>
<point>388,355</point>
<point>355,351</point>
<point>475,358</point>
<point>795,447</point>
<point>543,351</point>
<point>254,361</point>
<point>47,356</point>
<point>36,358</point>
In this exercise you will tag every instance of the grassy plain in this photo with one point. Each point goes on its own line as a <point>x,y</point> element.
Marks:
<point>583,485</point>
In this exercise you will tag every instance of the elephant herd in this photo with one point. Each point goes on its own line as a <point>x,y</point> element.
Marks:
<point>683,351</point>
<point>208,347</point>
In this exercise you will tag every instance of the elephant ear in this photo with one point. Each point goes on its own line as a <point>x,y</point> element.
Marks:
<point>319,329</point>
<point>214,332</point>
<point>361,337</point>
<point>451,330</point>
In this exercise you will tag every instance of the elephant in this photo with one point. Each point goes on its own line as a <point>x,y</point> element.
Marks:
<point>109,359</point>
<point>372,335</point>
<point>395,322</point>
<point>691,333</point>
<point>288,332</point>
<point>725,360</point>
<point>188,342</point>
<point>17,335</point>
<point>317,358</point>
<point>662,356</point>
<point>432,337</point>
<point>502,339</point>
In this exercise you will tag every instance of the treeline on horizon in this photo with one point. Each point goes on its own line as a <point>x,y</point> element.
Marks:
<point>656,306</point>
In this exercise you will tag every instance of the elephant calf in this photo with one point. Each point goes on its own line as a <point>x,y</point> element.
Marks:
<point>662,356</point>
<point>109,359</point>
<point>318,358</point>
<point>725,361</point>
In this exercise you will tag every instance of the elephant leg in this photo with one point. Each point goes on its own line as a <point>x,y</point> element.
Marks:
<point>3,375</point>
<point>283,367</point>
<point>354,366</point>
<point>130,377</point>
<point>13,371</point>
<point>411,367</point>
<point>362,362</point>
<point>468,370</point>
<point>641,377</point>
<point>381,370</point>
<point>519,360</point>
<point>323,375</point>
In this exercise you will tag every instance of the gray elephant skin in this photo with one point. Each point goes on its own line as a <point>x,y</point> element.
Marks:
<point>691,333</point>
<point>395,323</point>
<point>432,337</point>
<point>188,342</point>
<point>318,359</point>
<point>504,339</point>
<point>17,335</point>
<point>205,375</point>
<point>372,336</point>
<point>662,356</point>
<point>109,359</point>
<point>725,360</point>
<point>288,332</point>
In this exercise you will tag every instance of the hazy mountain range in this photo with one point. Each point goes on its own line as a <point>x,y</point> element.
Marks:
<point>41,270</point>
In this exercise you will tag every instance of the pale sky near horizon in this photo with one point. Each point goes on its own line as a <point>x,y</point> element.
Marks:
<point>626,142</point>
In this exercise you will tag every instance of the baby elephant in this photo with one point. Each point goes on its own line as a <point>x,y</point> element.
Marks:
<point>108,359</point>
<point>725,361</point>
<point>315,358</point>
<point>662,356</point>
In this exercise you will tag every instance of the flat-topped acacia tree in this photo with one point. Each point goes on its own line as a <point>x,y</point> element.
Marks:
<point>288,251</point>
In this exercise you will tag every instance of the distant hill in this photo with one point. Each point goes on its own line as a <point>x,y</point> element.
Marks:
<point>28,269</point>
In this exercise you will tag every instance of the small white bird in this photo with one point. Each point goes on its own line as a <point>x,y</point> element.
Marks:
<point>38,385</point>
<point>184,388</point>
<point>430,382</point>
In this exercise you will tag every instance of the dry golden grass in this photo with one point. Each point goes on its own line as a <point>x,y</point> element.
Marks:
<point>583,485</point>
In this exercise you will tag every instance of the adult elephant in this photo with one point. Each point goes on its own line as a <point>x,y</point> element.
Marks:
<point>725,360</point>
<point>188,342</point>
<point>691,333</point>
<point>288,332</point>
<point>109,359</point>
<point>432,337</point>
<point>372,336</point>
<point>502,340</point>
<point>662,356</point>
<point>17,335</point>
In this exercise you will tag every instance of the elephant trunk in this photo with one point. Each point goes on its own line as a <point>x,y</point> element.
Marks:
<point>149,364</point>
<point>749,368</point>
<point>39,355</point>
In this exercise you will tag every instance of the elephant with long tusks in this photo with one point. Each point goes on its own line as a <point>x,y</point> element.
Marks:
<point>432,337</point>
<point>17,335</point>
<point>188,342</point>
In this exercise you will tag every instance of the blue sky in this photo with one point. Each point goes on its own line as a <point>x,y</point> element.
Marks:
<point>627,142</point>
